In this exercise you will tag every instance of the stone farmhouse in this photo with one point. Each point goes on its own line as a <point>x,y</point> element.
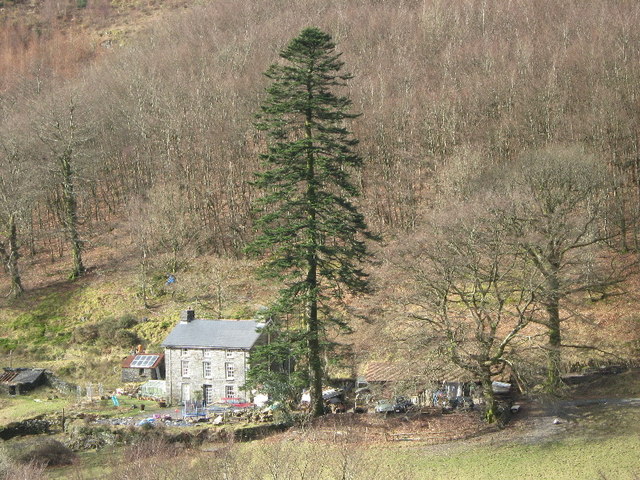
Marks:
<point>208,359</point>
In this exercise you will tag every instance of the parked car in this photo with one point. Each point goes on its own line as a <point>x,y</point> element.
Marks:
<point>398,405</point>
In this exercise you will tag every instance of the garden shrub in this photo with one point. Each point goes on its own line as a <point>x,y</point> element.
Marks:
<point>48,453</point>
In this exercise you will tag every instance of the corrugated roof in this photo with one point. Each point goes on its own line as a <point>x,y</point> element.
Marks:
<point>6,377</point>
<point>405,371</point>
<point>214,334</point>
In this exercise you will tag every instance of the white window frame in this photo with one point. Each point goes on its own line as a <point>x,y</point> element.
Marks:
<point>184,352</point>
<point>229,391</point>
<point>207,369</point>
<point>185,368</point>
<point>208,353</point>
<point>229,371</point>
<point>228,353</point>
<point>208,394</point>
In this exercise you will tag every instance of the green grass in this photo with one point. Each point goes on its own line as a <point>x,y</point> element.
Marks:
<point>616,457</point>
<point>22,407</point>
<point>91,464</point>
<point>13,409</point>
<point>574,456</point>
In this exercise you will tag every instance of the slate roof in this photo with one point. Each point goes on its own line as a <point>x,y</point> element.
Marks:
<point>20,376</point>
<point>239,334</point>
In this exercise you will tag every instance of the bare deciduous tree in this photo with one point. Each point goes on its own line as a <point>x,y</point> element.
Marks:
<point>65,135</point>
<point>15,200</point>
<point>560,198</point>
<point>473,290</point>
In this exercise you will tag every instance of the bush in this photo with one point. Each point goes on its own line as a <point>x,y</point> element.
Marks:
<point>7,345</point>
<point>115,331</point>
<point>49,453</point>
<point>125,338</point>
<point>86,334</point>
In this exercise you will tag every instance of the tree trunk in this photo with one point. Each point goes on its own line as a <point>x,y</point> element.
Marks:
<point>489,398</point>
<point>71,214</point>
<point>315,357</point>
<point>553,354</point>
<point>315,360</point>
<point>10,257</point>
<point>552,306</point>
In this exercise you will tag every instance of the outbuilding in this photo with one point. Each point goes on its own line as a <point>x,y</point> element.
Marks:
<point>142,367</point>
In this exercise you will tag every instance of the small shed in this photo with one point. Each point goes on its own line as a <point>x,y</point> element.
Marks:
<point>143,366</point>
<point>16,381</point>
<point>418,380</point>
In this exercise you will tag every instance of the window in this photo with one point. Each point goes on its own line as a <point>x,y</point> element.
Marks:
<point>185,352</point>
<point>229,391</point>
<point>206,370</point>
<point>208,353</point>
<point>208,394</point>
<point>185,368</point>
<point>229,353</point>
<point>229,371</point>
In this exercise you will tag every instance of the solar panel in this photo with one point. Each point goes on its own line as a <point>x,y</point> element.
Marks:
<point>144,361</point>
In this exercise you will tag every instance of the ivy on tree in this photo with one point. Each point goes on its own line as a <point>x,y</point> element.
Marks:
<point>312,237</point>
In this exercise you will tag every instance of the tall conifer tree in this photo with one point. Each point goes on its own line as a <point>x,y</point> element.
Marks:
<point>311,234</point>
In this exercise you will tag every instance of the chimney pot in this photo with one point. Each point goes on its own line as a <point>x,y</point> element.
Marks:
<point>187,315</point>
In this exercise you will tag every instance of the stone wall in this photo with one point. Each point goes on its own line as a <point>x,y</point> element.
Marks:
<point>196,379</point>
<point>138,374</point>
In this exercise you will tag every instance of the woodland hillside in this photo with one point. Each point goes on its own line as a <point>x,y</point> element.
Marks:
<point>141,117</point>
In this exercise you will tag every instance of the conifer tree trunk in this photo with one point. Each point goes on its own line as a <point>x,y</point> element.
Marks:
<point>315,356</point>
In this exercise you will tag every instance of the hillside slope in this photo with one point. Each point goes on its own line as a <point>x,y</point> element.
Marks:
<point>168,149</point>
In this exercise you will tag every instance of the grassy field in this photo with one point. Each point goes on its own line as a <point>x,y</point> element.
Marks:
<point>18,408</point>
<point>612,458</point>
<point>13,409</point>
<point>615,458</point>
<point>602,442</point>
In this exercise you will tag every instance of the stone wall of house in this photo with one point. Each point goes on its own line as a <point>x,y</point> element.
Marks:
<point>138,374</point>
<point>193,384</point>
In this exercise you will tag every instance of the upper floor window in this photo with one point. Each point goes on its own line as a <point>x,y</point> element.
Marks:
<point>208,353</point>
<point>229,371</point>
<point>185,352</point>
<point>185,368</point>
<point>206,370</point>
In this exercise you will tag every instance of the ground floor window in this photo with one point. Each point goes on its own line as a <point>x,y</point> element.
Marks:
<point>229,391</point>
<point>208,394</point>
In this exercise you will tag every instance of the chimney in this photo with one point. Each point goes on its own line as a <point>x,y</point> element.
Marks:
<point>187,315</point>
